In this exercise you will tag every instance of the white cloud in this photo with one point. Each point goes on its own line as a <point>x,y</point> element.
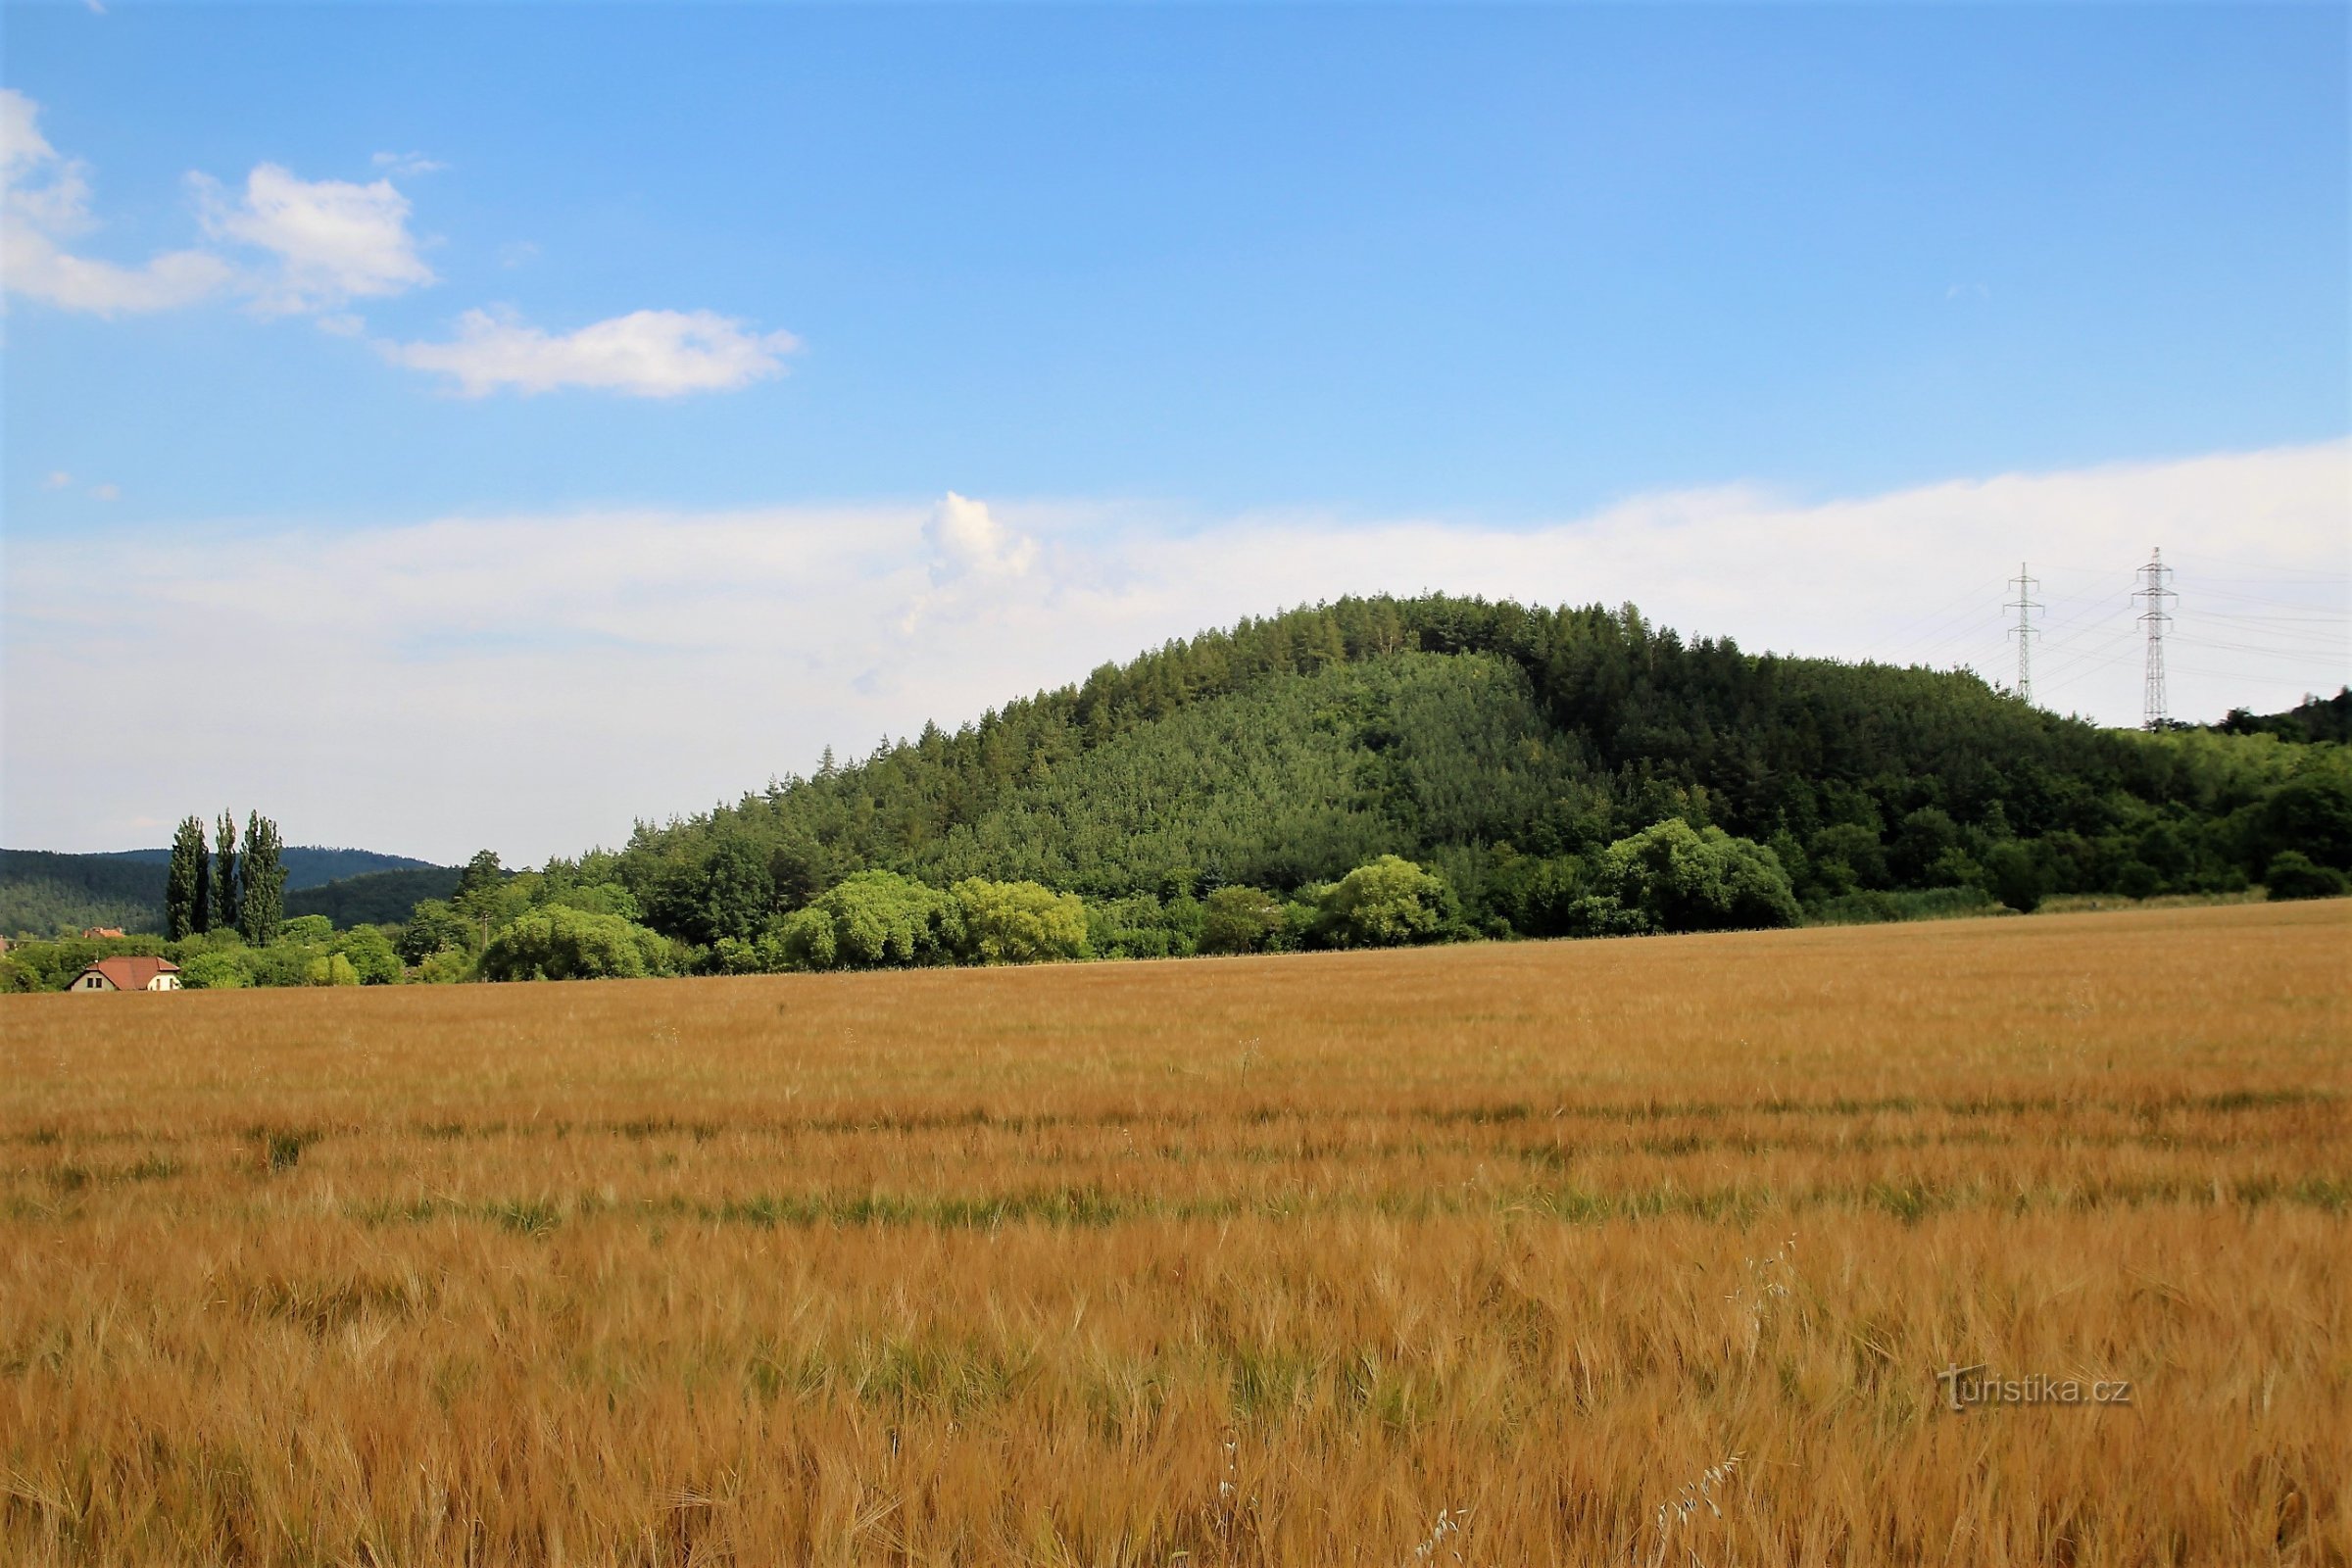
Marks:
<point>649,354</point>
<point>106,492</point>
<point>595,667</point>
<point>518,252</point>
<point>334,240</point>
<point>58,479</point>
<point>965,540</point>
<point>406,164</point>
<point>45,202</point>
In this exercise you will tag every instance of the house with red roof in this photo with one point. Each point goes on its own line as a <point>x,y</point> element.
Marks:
<point>129,974</point>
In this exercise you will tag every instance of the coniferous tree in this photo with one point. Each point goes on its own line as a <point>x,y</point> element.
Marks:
<point>226,910</point>
<point>185,913</point>
<point>265,882</point>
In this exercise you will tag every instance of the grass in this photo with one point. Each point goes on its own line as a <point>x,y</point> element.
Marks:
<point>1495,1254</point>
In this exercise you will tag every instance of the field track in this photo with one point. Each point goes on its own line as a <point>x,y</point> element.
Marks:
<point>1484,1254</point>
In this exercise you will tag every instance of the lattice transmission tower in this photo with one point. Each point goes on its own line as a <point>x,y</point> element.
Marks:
<point>2024,603</point>
<point>2152,580</point>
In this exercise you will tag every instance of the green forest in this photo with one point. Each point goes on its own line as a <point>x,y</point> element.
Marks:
<point>1383,770</point>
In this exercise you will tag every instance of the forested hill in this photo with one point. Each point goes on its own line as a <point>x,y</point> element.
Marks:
<point>1483,739</point>
<point>42,891</point>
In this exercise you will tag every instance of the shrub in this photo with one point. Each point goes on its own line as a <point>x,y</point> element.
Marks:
<point>305,930</point>
<point>1238,919</point>
<point>2015,875</point>
<point>872,919</point>
<point>330,969</point>
<point>448,966</point>
<point>2292,875</point>
<point>1017,922</point>
<point>1680,878</point>
<point>1384,904</point>
<point>371,954</point>
<point>214,971</point>
<point>560,944</point>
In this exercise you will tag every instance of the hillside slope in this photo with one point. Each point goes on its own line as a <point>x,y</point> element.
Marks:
<point>1472,736</point>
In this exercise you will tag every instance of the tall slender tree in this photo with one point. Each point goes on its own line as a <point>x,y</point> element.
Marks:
<point>200,911</point>
<point>265,878</point>
<point>185,913</point>
<point>225,909</point>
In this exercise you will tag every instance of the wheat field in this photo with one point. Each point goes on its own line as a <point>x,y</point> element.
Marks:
<point>1633,1252</point>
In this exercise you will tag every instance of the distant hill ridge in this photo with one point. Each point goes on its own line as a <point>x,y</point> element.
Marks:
<point>42,891</point>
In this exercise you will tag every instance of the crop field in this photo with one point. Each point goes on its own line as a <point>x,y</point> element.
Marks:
<point>1642,1252</point>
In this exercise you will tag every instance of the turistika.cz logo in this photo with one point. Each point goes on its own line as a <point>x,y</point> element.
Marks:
<point>1967,1386</point>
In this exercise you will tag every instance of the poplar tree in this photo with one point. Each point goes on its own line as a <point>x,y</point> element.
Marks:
<point>265,882</point>
<point>225,874</point>
<point>185,913</point>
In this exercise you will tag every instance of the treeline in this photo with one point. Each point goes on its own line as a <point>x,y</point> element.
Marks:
<point>1507,753</point>
<point>1515,771</point>
<point>563,924</point>
<point>1472,736</point>
<point>306,950</point>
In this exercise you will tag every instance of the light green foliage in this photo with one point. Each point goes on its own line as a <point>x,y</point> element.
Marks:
<point>214,971</point>
<point>1385,904</point>
<point>597,898</point>
<point>330,969</point>
<point>371,953</point>
<point>434,927</point>
<point>872,919</point>
<point>1017,922</point>
<point>447,966</point>
<point>560,944</point>
<point>306,929</point>
<point>1680,878</point>
<point>1238,919</point>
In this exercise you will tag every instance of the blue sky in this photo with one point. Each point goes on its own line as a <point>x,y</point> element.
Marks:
<point>1125,277</point>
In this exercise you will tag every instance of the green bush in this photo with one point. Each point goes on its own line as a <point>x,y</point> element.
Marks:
<point>306,930</point>
<point>562,944</point>
<point>449,966</point>
<point>1385,904</point>
<point>1017,922</point>
<point>2292,875</point>
<point>870,920</point>
<point>1680,878</point>
<point>371,954</point>
<point>330,969</point>
<point>214,971</point>
<point>1240,919</point>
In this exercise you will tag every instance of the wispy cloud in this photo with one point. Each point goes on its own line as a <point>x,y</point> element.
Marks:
<point>106,492</point>
<point>45,203</point>
<point>648,354</point>
<point>406,164</point>
<point>58,479</point>
<point>598,667</point>
<point>332,241</point>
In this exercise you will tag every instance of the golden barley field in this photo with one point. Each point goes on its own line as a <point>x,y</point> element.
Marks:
<point>1493,1254</point>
